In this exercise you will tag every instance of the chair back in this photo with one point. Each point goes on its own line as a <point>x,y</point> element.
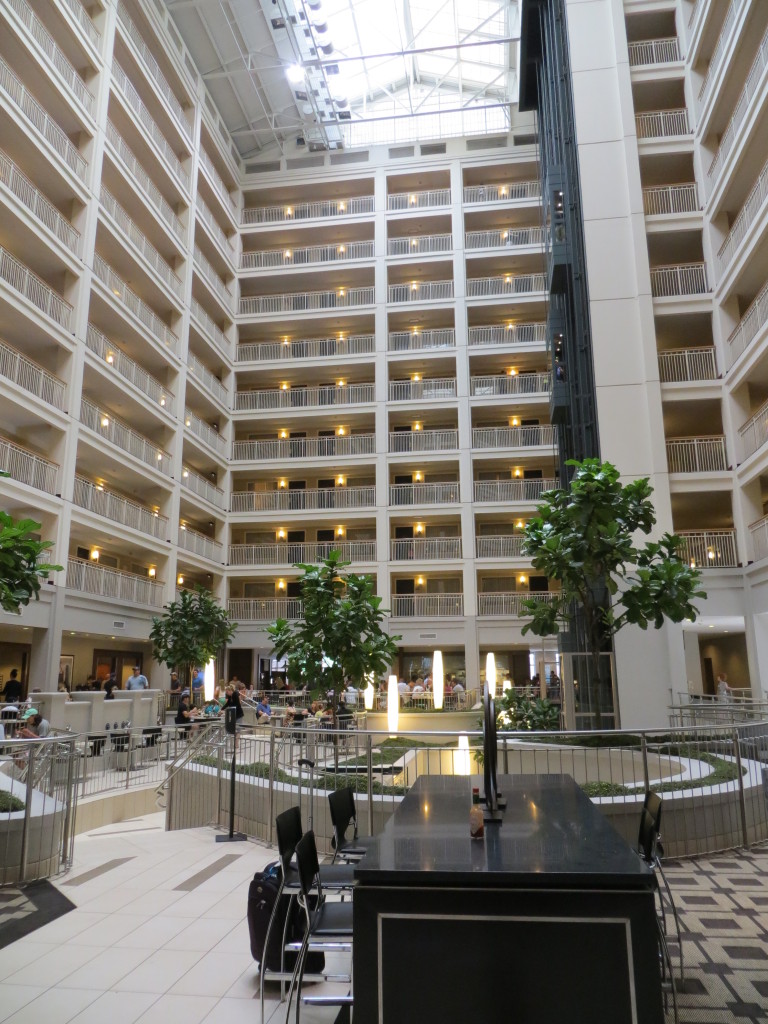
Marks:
<point>342,807</point>
<point>308,867</point>
<point>288,826</point>
<point>650,822</point>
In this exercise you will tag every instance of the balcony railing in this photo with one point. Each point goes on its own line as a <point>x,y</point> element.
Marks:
<point>748,327</point>
<point>510,384</point>
<point>416,606</point>
<point>202,487</point>
<point>313,499</point>
<point>491,287</point>
<point>439,493</point>
<point>654,51</point>
<point>159,141</point>
<point>680,279</point>
<point>140,240</point>
<point>759,532</point>
<point>754,433</point>
<point>205,214</point>
<point>270,258</point>
<point>212,383</point>
<point>132,302</point>
<point>22,280</point>
<point>419,244</point>
<point>507,491</point>
<point>747,216</point>
<point>264,609</point>
<point>192,540</point>
<point>662,124</point>
<point>31,377</point>
<point>151,192</point>
<point>419,200</point>
<point>709,549</point>
<point>422,390</point>
<point>717,53</point>
<point>308,211</point>
<point>687,364</point>
<point>670,199</point>
<point>514,437</point>
<point>304,398</point>
<point>117,509</point>
<point>304,448</point>
<point>218,182</point>
<point>420,291</point>
<point>751,87</point>
<point>503,238</point>
<point>37,204</point>
<point>204,267</point>
<point>83,19</point>
<point>427,549</point>
<point>308,348</point>
<point>210,327</point>
<point>423,440</point>
<point>289,554</point>
<point>510,604</point>
<point>27,467</point>
<point>509,334</point>
<point>419,341</point>
<point>122,436</point>
<point>696,454</point>
<point>45,125</point>
<point>502,193</point>
<point>304,302</point>
<point>89,578</point>
<point>205,432</point>
<point>499,546</point>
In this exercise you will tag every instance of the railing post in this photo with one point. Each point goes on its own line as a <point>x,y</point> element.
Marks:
<point>70,796</point>
<point>27,813</point>
<point>742,795</point>
<point>369,763</point>
<point>271,815</point>
<point>644,749</point>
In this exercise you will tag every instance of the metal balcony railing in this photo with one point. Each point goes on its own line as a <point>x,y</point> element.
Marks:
<point>503,238</point>
<point>423,440</point>
<point>748,327</point>
<point>662,124</point>
<point>714,61</point>
<point>511,603</point>
<point>304,302</point>
<point>420,291</point>
<point>687,364</point>
<point>218,182</point>
<point>502,193</point>
<point>212,383</point>
<point>270,258</point>
<point>202,487</point>
<point>83,19</point>
<point>205,268</point>
<point>205,214</point>
<point>507,491</point>
<point>509,334</point>
<point>28,467</point>
<point>709,549</point>
<point>22,280</point>
<point>210,327</point>
<point>126,224</point>
<point>205,432</point>
<point>124,437</point>
<point>37,204</point>
<point>422,390</point>
<point>286,554</point>
<point>118,509</point>
<point>499,546</point>
<point>310,499</point>
<point>304,448</point>
<point>514,437</point>
<point>308,211</point>
<point>696,454</point>
<point>753,206</point>
<point>428,549</point>
<point>90,578</point>
<point>418,341</point>
<point>11,86</point>
<point>680,279</point>
<point>419,244</point>
<point>751,87</point>
<point>31,376</point>
<point>306,348</point>
<point>416,606</point>
<point>304,398</point>
<point>128,298</point>
<point>192,540</point>
<point>264,609</point>
<point>654,51</point>
<point>510,384</point>
<point>159,141</point>
<point>419,200</point>
<point>508,284</point>
<point>754,433</point>
<point>146,186</point>
<point>670,199</point>
<point>759,533</point>
<point>439,493</point>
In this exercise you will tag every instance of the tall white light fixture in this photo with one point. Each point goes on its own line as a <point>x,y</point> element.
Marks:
<point>369,693</point>
<point>393,705</point>
<point>438,685</point>
<point>490,673</point>
<point>209,679</point>
<point>461,757</point>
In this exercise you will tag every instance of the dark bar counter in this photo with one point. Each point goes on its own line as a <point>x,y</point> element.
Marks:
<point>549,918</point>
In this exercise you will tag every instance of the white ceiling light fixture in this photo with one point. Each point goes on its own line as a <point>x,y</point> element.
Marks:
<point>295,73</point>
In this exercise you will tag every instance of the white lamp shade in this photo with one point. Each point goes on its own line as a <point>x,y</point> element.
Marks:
<point>438,683</point>
<point>368,695</point>
<point>393,705</point>
<point>209,679</point>
<point>490,673</point>
<point>461,757</point>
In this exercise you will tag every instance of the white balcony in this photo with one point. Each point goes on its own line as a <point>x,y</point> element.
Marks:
<point>146,186</point>
<point>37,204</point>
<point>678,280</point>
<point>23,281</point>
<point>430,388</point>
<point>685,365</point>
<point>503,238</point>
<point>269,259</point>
<point>714,61</point>
<point>211,383</point>
<point>665,200</point>
<point>305,302</point>
<point>754,433</point>
<point>423,440</point>
<point>28,467</point>
<point>205,214</point>
<point>759,532</point>
<point>128,298</point>
<point>124,437</point>
<point>263,609</point>
<point>510,604</point>
<point>419,245</point>
<point>118,509</point>
<point>527,492</point>
<point>514,437</point>
<point>426,549</point>
<point>31,377</point>
<point>421,341</point>
<point>709,549</point>
<point>304,398</point>
<point>502,193</point>
<point>420,291</point>
<point>205,268</point>
<point>304,448</point>
<point>310,499</point>
<point>399,201</point>
<point>750,211</point>
<point>126,224</point>
<point>748,327</point>
<point>90,578</point>
<point>662,124</point>
<point>83,19</point>
<point>499,547</point>
<point>508,284</point>
<point>324,208</point>
<point>654,51</point>
<point>696,455</point>
<point>306,348</point>
<point>199,544</point>
<point>202,487</point>
<point>440,493</point>
<point>509,334</point>
<point>218,183</point>
<point>287,554</point>
<point>205,432</point>
<point>210,328</point>
<point>502,385</point>
<point>428,606</point>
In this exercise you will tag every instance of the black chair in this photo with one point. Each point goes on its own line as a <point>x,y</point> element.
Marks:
<point>343,814</point>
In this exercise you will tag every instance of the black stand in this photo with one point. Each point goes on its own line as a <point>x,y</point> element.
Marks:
<point>232,837</point>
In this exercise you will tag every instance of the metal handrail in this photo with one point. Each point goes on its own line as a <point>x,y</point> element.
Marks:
<point>308,211</point>
<point>687,364</point>
<point>425,389</point>
<point>32,377</point>
<point>526,491</point>
<point>207,217</point>
<point>509,334</point>
<point>212,383</point>
<point>306,348</point>
<point>437,493</point>
<point>679,279</point>
<point>670,199</point>
<point>103,502</point>
<point>204,266</point>
<point>304,447</point>
<point>33,288</point>
<point>193,540</point>
<point>508,284</point>
<point>302,302</point>
<point>416,340</point>
<point>709,549</point>
<point>510,384</point>
<point>662,124</point>
<point>300,397</point>
<point>418,244</point>
<point>748,327</point>
<point>504,192</point>
<point>151,192</point>
<point>288,553</point>
<point>745,218</point>
<point>205,432</point>
<point>202,487</point>
<point>128,298</point>
<point>717,53</point>
<point>264,259</point>
<point>111,429</point>
<point>398,201</point>
<point>90,578</point>
<point>506,238</point>
<point>653,51</point>
<point>514,437</point>
<point>420,291</point>
<point>212,329</point>
<point>427,605</point>
<point>424,549</point>
<point>34,200</point>
<point>218,182</point>
<point>128,226</point>
<point>696,454</point>
<point>27,467</point>
<point>751,86</point>
<point>423,440</point>
<point>305,499</point>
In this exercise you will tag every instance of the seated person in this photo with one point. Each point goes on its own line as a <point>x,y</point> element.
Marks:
<point>33,726</point>
<point>185,715</point>
<point>263,710</point>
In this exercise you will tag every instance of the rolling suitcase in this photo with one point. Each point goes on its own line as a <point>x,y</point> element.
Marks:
<point>262,894</point>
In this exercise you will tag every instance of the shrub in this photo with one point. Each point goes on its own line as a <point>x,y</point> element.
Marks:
<point>9,802</point>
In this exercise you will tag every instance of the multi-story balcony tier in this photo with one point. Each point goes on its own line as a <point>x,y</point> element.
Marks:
<point>515,491</point>
<point>426,606</point>
<point>424,549</point>
<point>343,346</point>
<point>218,186</point>
<point>108,428</point>
<point>649,52</point>
<point>321,209</point>
<point>753,208</point>
<point>113,584</point>
<point>686,365</point>
<point>305,302</point>
<point>13,182</point>
<point>320,499</point>
<point>679,280</point>
<point>424,441</point>
<point>208,329</point>
<point>515,385</point>
<point>202,487</point>
<point>404,202</point>
<point>438,492</point>
<point>671,200</point>
<point>116,369</point>
<point>287,553</point>
<point>19,279</point>
<point>131,305</point>
<point>264,609</point>
<point>505,192</point>
<point>417,340</point>
<point>499,546</point>
<point>206,433</point>
<point>506,286</point>
<point>662,124</point>
<point>511,237</point>
<point>110,505</point>
<point>709,549</point>
<point>32,377</point>
<point>301,256</point>
<point>422,389</point>
<point>509,335</point>
<point>696,454</point>
<point>343,393</point>
<point>539,436</point>
<point>199,543</point>
<point>284,449</point>
<point>28,467</point>
<point>509,604</point>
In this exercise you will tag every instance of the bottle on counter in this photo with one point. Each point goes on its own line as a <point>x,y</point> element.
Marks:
<point>476,825</point>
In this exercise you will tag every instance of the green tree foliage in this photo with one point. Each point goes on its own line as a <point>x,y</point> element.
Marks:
<point>516,711</point>
<point>20,570</point>
<point>191,632</point>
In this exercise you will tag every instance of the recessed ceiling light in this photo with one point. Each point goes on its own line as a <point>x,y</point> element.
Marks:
<point>295,73</point>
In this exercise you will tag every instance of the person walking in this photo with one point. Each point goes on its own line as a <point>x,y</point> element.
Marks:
<point>137,681</point>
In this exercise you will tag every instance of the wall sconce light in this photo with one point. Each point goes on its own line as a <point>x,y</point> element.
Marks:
<point>162,400</point>
<point>282,484</point>
<point>416,378</point>
<point>342,207</point>
<point>339,531</point>
<point>151,572</point>
<point>342,250</point>
<point>506,685</point>
<point>286,341</point>
<point>209,679</point>
<point>518,472</point>
<point>340,481</point>
<point>507,279</point>
<point>417,426</point>
<point>341,383</point>
<point>341,293</point>
<point>185,473</point>
<point>418,477</point>
<point>182,526</point>
<point>340,432</point>
<point>159,456</point>
<point>438,683</point>
<point>461,757</point>
<point>99,487</point>
<point>284,386</point>
<point>283,434</point>
<point>521,579</point>
<point>503,191</point>
<point>281,584</point>
<point>288,211</point>
<point>490,673</point>
<point>419,528</point>
<point>512,371</point>
<point>393,705</point>
<point>419,581</point>
<point>415,332</point>
<point>105,421</point>
<point>519,524</point>
<point>179,581</point>
<point>94,554</point>
<point>514,421</point>
<point>413,200</point>
<point>281,534</point>
<point>110,358</point>
<point>369,693</point>
<point>414,286</point>
<point>287,254</point>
